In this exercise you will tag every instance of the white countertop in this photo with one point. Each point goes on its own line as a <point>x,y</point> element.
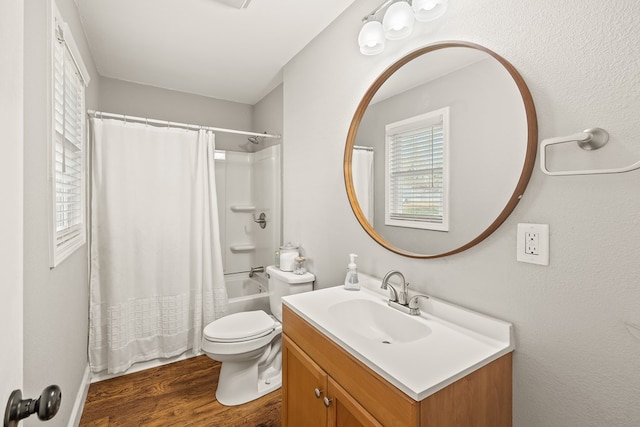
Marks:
<point>456,342</point>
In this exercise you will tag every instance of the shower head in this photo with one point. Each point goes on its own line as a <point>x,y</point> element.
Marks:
<point>256,139</point>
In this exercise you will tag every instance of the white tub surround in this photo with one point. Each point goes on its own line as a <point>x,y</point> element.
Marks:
<point>247,293</point>
<point>248,190</point>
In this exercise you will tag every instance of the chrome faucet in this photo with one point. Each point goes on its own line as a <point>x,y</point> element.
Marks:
<point>255,270</point>
<point>399,297</point>
<point>400,300</point>
<point>393,294</point>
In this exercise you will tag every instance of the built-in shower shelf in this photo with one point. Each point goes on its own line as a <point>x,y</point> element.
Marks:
<point>242,208</point>
<point>242,248</point>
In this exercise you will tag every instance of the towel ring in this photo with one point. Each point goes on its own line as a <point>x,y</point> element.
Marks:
<point>589,140</point>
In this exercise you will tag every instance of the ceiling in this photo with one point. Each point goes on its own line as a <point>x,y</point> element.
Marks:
<point>206,47</point>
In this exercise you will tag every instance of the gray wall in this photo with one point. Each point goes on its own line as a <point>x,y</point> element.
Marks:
<point>117,96</point>
<point>268,116</point>
<point>11,222</point>
<point>55,300</point>
<point>576,363</point>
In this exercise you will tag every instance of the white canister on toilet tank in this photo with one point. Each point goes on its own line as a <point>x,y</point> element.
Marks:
<point>288,255</point>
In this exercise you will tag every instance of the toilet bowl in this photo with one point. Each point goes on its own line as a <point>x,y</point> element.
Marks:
<point>249,343</point>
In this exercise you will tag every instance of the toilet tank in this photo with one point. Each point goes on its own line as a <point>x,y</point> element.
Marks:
<point>283,283</point>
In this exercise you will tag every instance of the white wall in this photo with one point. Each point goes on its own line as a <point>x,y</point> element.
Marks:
<point>55,300</point>
<point>575,364</point>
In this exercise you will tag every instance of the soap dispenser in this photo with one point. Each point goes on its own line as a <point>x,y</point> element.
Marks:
<point>351,281</point>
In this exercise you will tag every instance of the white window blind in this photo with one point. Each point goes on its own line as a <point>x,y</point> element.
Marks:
<point>416,193</point>
<point>67,147</point>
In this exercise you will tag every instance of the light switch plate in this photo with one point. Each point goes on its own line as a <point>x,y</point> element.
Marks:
<point>533,243</point>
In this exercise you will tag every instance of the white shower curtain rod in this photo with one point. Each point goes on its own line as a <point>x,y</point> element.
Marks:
<point>125,118</point>
<point>360,147</point>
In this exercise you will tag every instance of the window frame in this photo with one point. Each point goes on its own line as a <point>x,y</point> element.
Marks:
<point>60,33</point>
<point>413,123</point>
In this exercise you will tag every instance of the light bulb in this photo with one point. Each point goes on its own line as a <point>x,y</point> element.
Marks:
<point>371,38</point>
<point>428,10</point>
<point>429,4</point>
<point>398,21</point>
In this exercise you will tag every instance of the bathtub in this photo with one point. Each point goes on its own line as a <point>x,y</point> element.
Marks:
<point>247,294</point>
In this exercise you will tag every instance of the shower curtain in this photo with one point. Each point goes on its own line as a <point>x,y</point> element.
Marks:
<point>156,274</point>
<point>362,174</point>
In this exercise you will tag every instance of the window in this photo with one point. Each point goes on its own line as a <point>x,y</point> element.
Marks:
<point>416,190</point>
<point>67,165</point>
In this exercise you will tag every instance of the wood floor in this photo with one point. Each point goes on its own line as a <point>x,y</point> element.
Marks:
<point>178,394</point>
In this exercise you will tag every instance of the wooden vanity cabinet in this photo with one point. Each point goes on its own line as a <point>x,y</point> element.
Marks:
<point>313,398</point>
<point>305,385</point>
<point>323,385</point>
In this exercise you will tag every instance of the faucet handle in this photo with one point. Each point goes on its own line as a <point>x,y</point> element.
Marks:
<point>403,297</point>
<point>414,309</point>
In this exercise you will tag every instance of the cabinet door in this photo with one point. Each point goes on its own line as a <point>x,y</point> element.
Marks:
<point>345,411</point>
<point>304,386</point>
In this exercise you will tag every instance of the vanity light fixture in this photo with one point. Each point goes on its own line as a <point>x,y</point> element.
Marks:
<point>397,22</point>
<point>371,38</point>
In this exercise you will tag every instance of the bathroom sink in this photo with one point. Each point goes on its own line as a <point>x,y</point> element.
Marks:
<point>377,322</point>
<point>418,354</point>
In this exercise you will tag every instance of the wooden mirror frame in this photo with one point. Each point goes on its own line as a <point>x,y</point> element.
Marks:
<point>530,156</point>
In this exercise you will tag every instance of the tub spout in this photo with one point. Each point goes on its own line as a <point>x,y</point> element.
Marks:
<point>255,270</point>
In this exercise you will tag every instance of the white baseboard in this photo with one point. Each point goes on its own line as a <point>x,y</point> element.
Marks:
<point>81,397</point>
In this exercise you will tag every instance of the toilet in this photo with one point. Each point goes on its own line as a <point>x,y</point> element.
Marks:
<point>249,344</point>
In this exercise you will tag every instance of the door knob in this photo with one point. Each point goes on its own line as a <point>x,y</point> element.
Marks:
<point>327,401</point>
<point>46,406</point>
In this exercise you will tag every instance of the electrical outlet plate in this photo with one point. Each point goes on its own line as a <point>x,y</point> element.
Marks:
<point>533,243</point>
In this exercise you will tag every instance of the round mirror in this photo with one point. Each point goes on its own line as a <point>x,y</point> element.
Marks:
<point>440,150</point>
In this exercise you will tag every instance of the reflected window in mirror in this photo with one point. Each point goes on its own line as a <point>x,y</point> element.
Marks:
<point>416,187</point>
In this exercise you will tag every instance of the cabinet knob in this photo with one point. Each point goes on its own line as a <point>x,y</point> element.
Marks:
<point>327,401</point>
<point>317,392</point>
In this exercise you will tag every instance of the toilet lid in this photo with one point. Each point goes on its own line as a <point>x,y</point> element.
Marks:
<point>241,326</point>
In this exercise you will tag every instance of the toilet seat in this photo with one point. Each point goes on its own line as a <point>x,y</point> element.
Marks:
<point>240,327</point>
<point>240,333</point>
